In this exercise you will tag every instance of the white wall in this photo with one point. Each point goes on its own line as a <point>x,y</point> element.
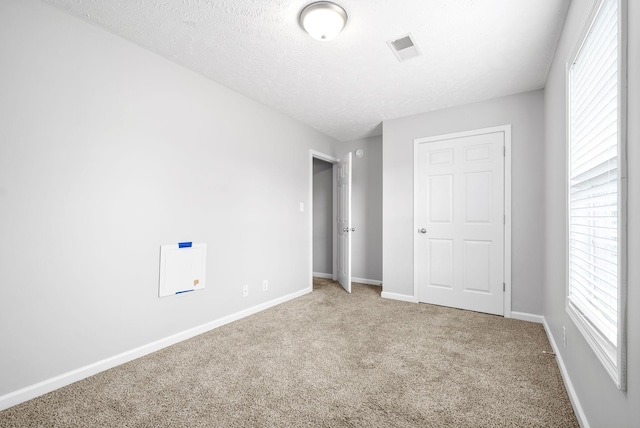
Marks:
<point>602,403</point>
<point>322,217</point>
<point>108,151</point>
<point>366,208</point>
<point>525,113</point>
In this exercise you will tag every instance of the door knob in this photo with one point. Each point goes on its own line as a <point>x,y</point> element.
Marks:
<point>346,229</point>
<point>353,229</point>
<point>423,230</point>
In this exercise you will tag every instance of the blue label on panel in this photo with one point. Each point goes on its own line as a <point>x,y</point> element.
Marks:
<point>184,291</point>
<point>184,244</point>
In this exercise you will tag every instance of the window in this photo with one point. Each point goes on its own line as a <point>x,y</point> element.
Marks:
<point>596,197</point>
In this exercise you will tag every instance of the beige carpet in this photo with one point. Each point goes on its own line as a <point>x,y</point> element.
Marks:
<point>327,359</point>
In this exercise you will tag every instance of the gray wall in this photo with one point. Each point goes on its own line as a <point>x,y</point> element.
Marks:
<point>366,209</point>
<point>525,113</point>
<point>322,217</point>
<point>602,403</point>
<point>108,151</point>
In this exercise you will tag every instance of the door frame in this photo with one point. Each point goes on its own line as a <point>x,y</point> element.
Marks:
<point>313,154</point>
<point>506,129</point>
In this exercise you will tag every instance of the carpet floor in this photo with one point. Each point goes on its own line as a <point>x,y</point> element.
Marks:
<point>327,359</point>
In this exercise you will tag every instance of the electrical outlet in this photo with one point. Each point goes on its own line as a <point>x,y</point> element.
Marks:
<point>245,291</point>
<point>564,337</point>
<point>265,285</point>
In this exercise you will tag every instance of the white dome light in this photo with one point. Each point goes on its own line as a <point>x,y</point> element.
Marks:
<point>323,20</point>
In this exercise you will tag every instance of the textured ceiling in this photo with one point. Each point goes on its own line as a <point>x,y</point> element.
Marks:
<point>472,50</point>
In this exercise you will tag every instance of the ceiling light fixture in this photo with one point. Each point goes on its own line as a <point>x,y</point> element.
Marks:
<point>323,20</point>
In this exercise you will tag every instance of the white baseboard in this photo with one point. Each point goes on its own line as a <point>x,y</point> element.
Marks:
<point>353,279</point>
<point>366,281</point>
<point>401,297</point>
<point>523,316</point>
<point>573,397</point>
<point>33,391</point>
<point>323,275</point>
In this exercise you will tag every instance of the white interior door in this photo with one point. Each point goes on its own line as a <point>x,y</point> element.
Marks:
<point>459,199</point>
<point>344,223</point>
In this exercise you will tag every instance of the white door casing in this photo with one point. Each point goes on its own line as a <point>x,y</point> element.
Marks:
<point>460,220</point>
<point>344,222</point>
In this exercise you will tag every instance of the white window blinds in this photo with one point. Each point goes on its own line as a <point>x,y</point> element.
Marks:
<point>594,199</point>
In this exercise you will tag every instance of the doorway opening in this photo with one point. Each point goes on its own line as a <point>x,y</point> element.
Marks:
<point>323,219</point>
<point>331,226</point>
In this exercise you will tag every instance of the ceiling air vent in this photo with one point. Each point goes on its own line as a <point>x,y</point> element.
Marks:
<point>404,48</point>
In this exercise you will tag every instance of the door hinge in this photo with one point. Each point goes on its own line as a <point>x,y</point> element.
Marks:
<point>504,152</point>
<point>504,219</point>
<point>504,287</point>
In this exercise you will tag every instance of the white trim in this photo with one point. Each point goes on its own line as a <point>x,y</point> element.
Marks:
<point>334,223</point>
<point>506,129</point>
<point>366,281</point>
<point>323,275</point>
<point>40,388</point>
<point>401,297</point>
<point>573,396</point>
<point>623,90</point>
<point>615,366</point>
<point>507,222</point>
<point>314,154</point>
<point>358,280</point>
<point>323,156</point>
<point>523,316</point>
